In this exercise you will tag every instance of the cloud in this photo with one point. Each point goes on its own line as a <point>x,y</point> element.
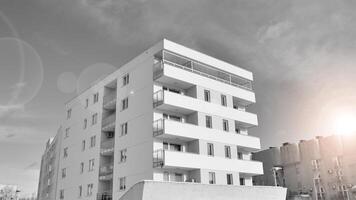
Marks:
<point>7,111</point>
<point>32,165</point>
<point>274,31</point>
<point>16,134</point>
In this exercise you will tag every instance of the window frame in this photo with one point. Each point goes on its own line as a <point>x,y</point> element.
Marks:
<point>207,96</point>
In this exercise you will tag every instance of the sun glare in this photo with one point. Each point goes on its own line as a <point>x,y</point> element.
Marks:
<point>345,124</point>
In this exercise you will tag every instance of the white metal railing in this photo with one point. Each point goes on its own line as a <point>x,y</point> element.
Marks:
<point>109,119</point>
<point>159,67</point>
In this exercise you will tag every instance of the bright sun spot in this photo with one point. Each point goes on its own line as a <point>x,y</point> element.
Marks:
<point>345,124</point>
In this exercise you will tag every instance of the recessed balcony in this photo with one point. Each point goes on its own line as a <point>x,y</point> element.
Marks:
<point>170,101</point>
<point>190,161</point>
<point>170,129</point>
<point>109,101</point>
<point>106,172</point>
<point>108,123</point>
<point>107,147</point>
<point>184,77</point>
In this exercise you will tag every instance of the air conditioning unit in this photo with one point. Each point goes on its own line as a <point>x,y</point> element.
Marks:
<point>110,134</point>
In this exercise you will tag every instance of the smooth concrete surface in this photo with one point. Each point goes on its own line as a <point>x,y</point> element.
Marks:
<point>154,190</point>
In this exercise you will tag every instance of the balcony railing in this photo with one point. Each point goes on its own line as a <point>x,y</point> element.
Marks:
<point>158,127</point>
<point>107,147</point>
<point>110,100</point>
<point>109,121</point>
<point>107,177</point>
<point>104,196</point>
<point>158,158</point>
<point>158,98</point>
<point>106,169</point>
<point>204,70</point>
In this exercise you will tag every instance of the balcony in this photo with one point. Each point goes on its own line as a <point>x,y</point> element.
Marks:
<point>104,196</point>
<point>109,102</point>
<point>170,101</point>
<point>169,129</point>
<point>107,147</point>
<point>106,172</point>
<point>190,161</point>
<point>108,123</point>
<point>187,76</point>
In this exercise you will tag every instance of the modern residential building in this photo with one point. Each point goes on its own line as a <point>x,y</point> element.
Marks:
<point>170,114</point>
<point>49,170</point>
<point>323,168</point>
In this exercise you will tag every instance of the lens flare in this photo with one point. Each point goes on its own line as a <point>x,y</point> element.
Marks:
<point>345,124</point>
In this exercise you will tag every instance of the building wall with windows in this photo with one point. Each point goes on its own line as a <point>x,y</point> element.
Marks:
<point>152,119</point>
<point>323,167</point>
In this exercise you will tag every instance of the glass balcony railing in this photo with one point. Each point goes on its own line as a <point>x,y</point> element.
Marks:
<point>109,99</point>
<point>107,147</point>
<point>205,71</point>
<point>106,169</point>
<point>158,98</point>
<point>109,120</point>
<point>158,158</point>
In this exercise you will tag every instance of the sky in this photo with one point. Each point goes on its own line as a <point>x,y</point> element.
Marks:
<point>302,54</point>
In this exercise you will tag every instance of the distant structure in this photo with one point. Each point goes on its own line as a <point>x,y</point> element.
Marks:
<point>323,168</point>
<point>8,192</point>
<point>171,114</point>
<point>47,187</point>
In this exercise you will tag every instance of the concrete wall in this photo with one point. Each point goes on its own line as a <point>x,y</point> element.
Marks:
<point>150,190</point>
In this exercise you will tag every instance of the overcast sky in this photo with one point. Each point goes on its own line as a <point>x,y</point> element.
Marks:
<point>302,54</point>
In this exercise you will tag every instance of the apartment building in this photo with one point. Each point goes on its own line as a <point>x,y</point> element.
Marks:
<point>170,114</point>
<point>323,168</point>
<point>49,169</point>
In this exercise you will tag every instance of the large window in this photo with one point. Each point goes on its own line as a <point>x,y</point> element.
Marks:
<point>96,97</point>
<point>125,79</point>
<point>81,167</point>
<point>211,177</point>
<point>83,145</point>
<point>67,132</point>
<point>69,113</point>
<point>227,152</point>
<point>90,189</point>
<point>125,103</point>
<point>229,179</point>
<point>64,172</point>
<point>242,181</point>
<point>61,194</point>
<point>122,181</point>
<point>80,189</point>
<point>65,152</point>
<point>85,123</point>
<point>208,122</point>
<point>207,95</point>
<point>210,147</point>
<point>86,103</point>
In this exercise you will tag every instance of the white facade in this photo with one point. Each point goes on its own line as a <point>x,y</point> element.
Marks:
<point>154,119</point>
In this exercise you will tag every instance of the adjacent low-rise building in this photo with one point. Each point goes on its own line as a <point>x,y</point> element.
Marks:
<point>323,168</point>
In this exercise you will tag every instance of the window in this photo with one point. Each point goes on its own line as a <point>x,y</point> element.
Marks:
<point>239,155</point>
<point>125,103</point>
<point>229,179</point>
<point>165,176</point>
<point>210,149</point>
<point>65,152</point>
<point>90,189</point>
<point>316,164</point>
<point>227,152</point>
<point>96,97</point>
<point>237,130</point>
<point>86,103</point>
<point>124,129</point>
<point>165,145</point>
<point>122,183</point>
<point>81,167</point>
<point>66,133</point>
<point>123,155</point>
<point>178,177</point>
<point>83,145</point>
<point>91,165</point>
<point>94,118</point>
<point>225,125</point>
<point>208,122</point>
<point>242,181</point>
<point>207,95</point>
<point>175,147</point>
<point>223,100</point>
<point>125,79</point>
<point>92,141</point>
<point>80,191</point>
<point>61,194</point>
<point>69,113</point>
<point>211,177</point>
<point>85,124</point>
<point>64,172</point>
